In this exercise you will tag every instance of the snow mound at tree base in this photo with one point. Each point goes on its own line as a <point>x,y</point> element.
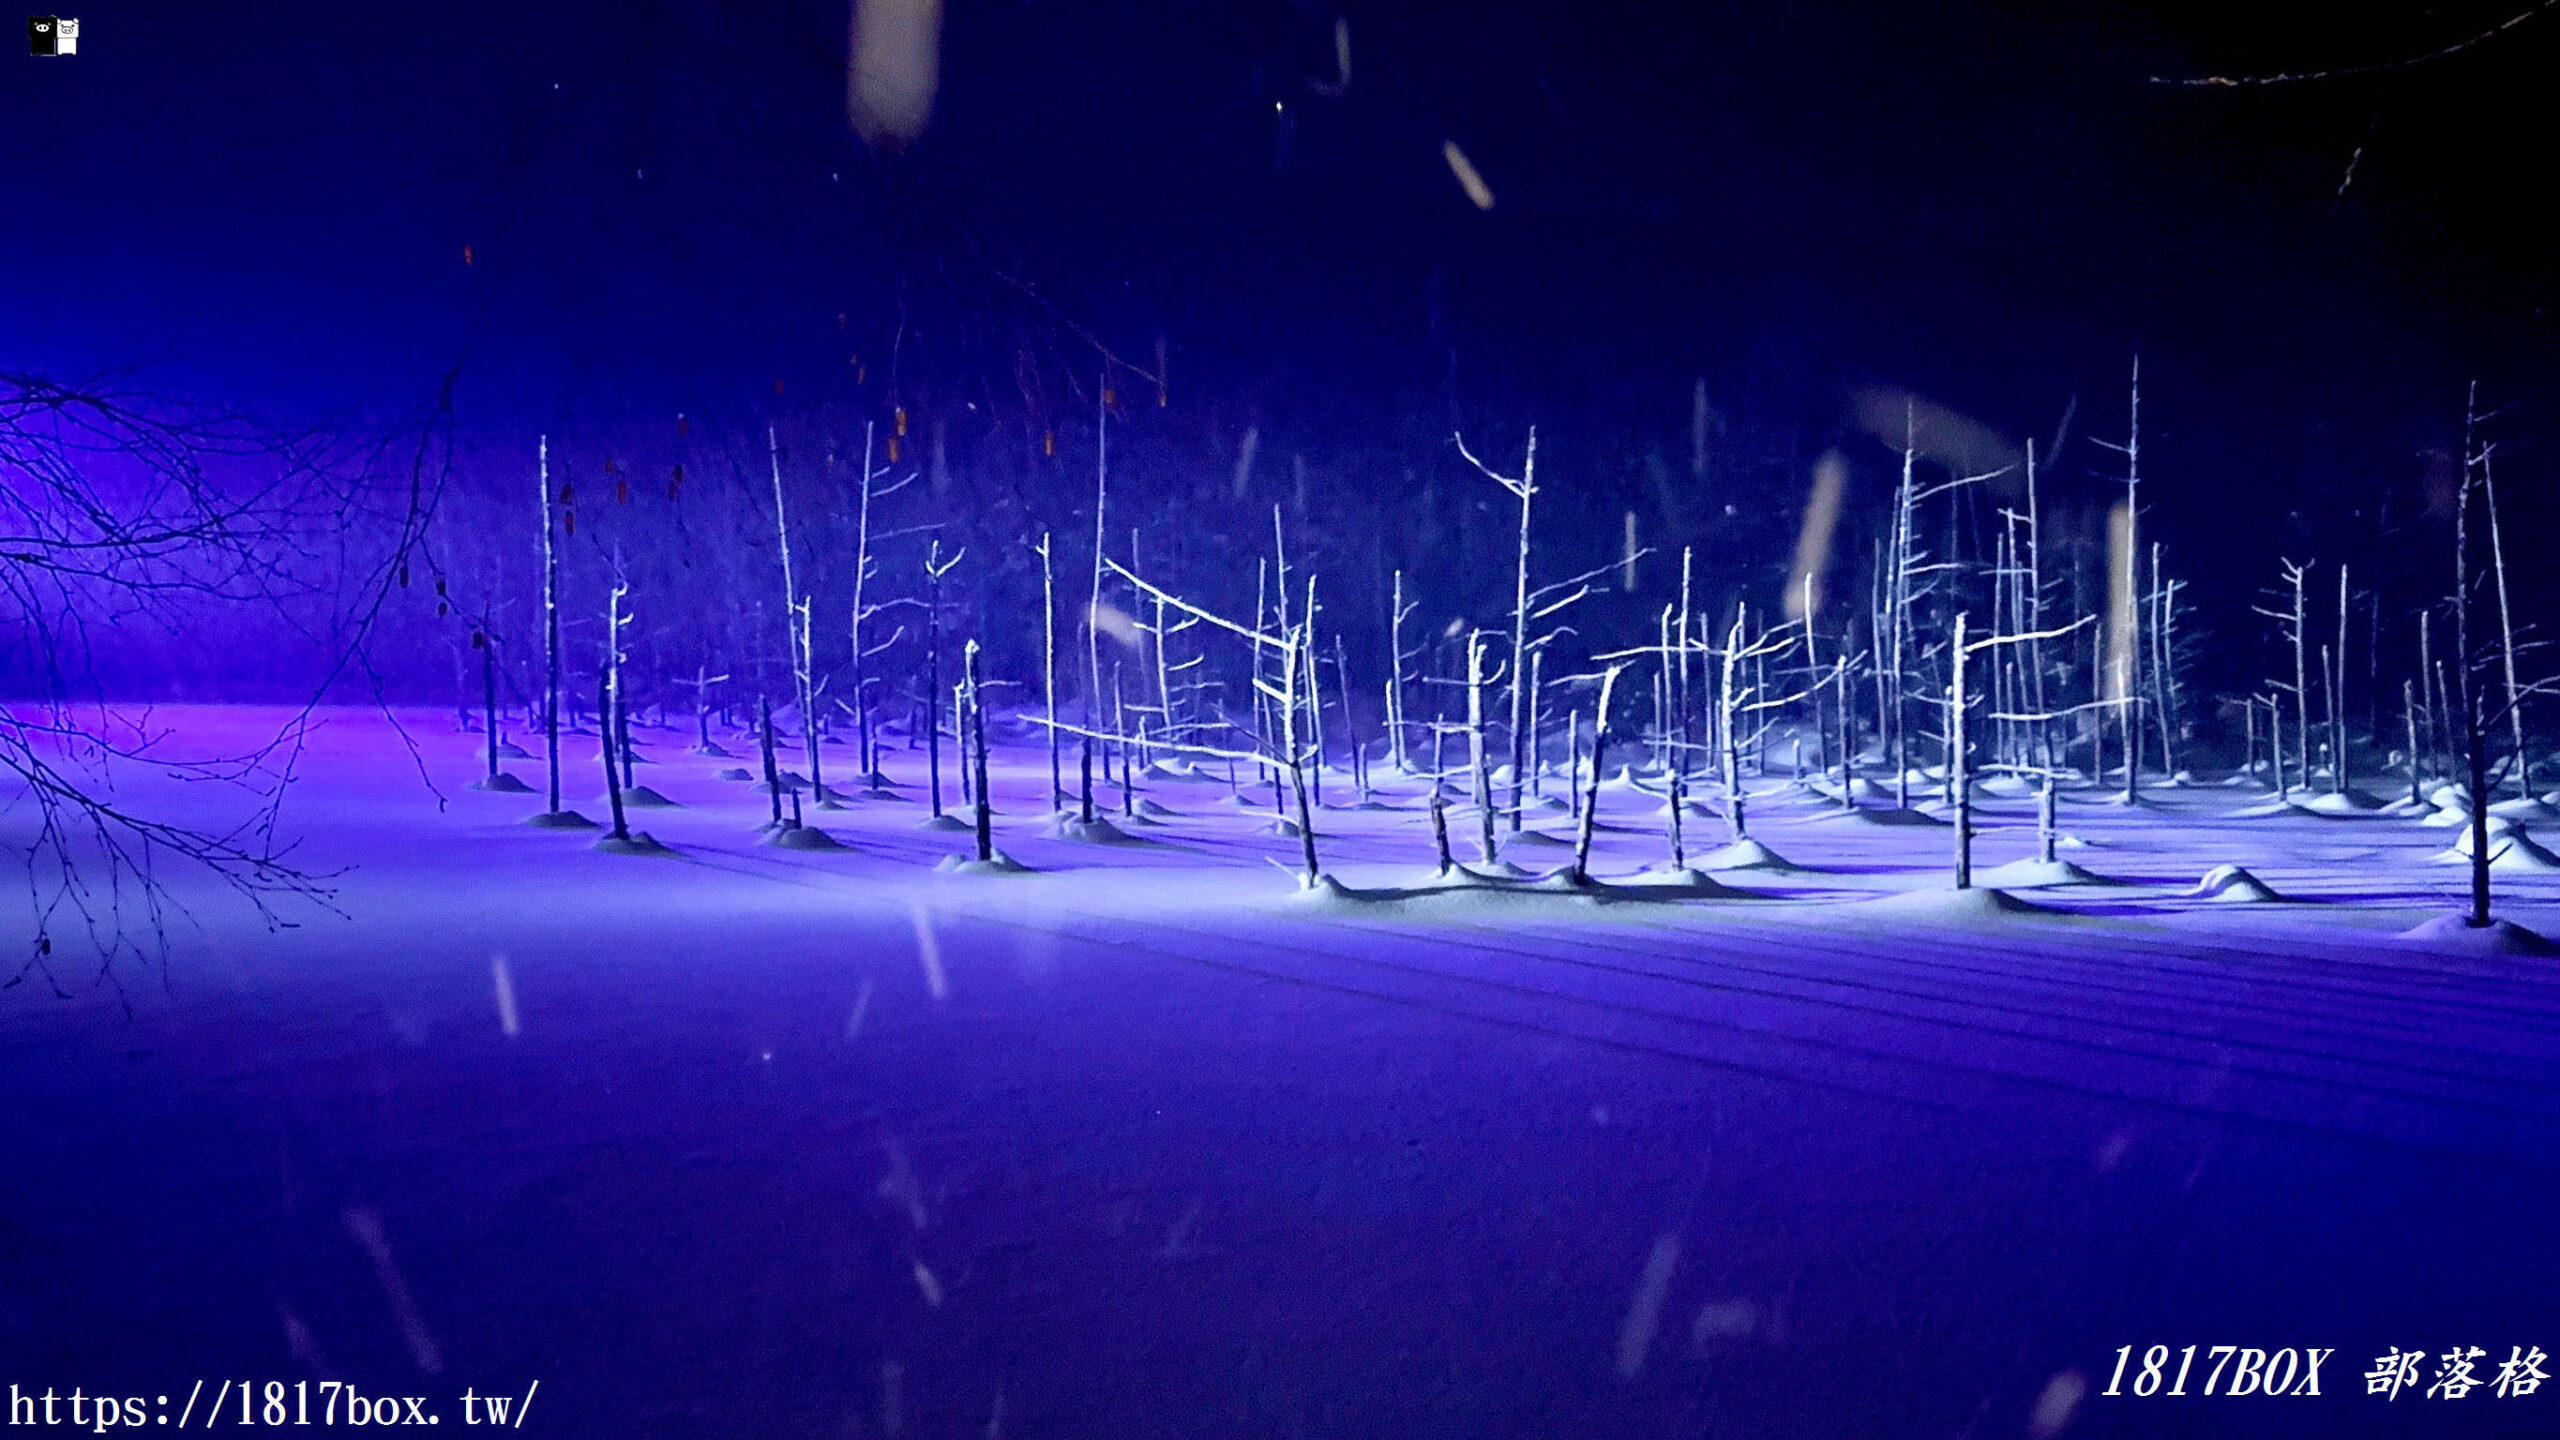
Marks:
<point>2033,874</point>
<point>1978,905</point>
<point>644,798</point>
<point>733,772</point>
<point>2529,811</point>
<point>2340,802</point>
<point>1097,831</point>
<point>2231,883</point>
<point>802,837</point>
<point>1536,839</point>
<point>709,750</point>
<point>1747,855</point>
<point>944,824</point>
<point>501,783</point>
<point>560,820</point>
<point>1462,893</point>
<point>639,842</point>
<point>1002,864</point>
<point>1683,880</point>
<point>2498,937</point>
<point>2511,851</point>
<point>1869,815</point>
<point>1150,810</point>
<point>507,750</point>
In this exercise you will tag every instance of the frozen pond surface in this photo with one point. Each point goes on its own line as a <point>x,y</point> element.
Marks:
<point>1145,1144</point>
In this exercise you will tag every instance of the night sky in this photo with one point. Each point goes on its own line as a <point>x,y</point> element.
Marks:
<point>1993,205</point>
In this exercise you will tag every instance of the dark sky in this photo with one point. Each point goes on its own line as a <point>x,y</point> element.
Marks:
<point>1991,203</point>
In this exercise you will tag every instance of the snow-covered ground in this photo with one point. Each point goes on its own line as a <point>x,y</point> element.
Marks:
<point>746,1140</point>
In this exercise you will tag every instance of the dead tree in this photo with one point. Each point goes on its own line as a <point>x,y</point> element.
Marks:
<point>1960,651</point>
<point>764,749</point>
<point>1093,606</point>
<point>2338,757</point>
<point>2293,625</point>
<point>1581,874</point>
<point>1524,487</point>
<point>1049,666</point>
<point>485,640</point>
<point>866,491</point>
<point>550,634</point>
<point>795,626</point>
<point>935,567</point>
<point>700,685</point>
<point>1479,762</point>
<point>978,744</point>
<point>610,711</point>
<point>1398,610</point>
<point>2506,627</point>
<point>1293,752</point>
<point>2126,540</point>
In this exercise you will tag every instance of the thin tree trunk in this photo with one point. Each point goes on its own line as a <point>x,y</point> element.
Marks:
<point>978,742</point>
<point>1591,797</point>
<point>550,636</point>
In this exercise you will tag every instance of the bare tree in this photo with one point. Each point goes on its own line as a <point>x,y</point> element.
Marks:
<point>1524,487</point>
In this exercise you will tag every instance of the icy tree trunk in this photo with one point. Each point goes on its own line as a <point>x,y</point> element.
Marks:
<point>1573,759</point>
<point>1591,798</point>
<point>1350,725</point>
<point>1439,802</point>
<point>933,687</point>
<point>1164,675</point>
<point>1728,727</point>
<point>1679,802</point>
<point>2301,687</point>
<point>2409,711</point>
<point>978,742</point>
<point>2329,722</point>
<point>550,636</point>
<point>608,696</point>
<point>1315,691</point>
<point>1093,606</point>
<point>1128,761</point>
<point>2133,642</point>
<point>2164,601</point>
<point>1537,678</point>
<point>2046,807</point>
<point>795,629</point>
<point>2506,632</point>
<point>1848,740</point>
<point>1297,765</point>
<point>863,755</point>
<point>2338,778</point>
<point>1959,777</point>
<point>2275,741</point>
<point>764,748</point>
<point>489,695</point>
<point>1395,677</point>
<point>1520,621</point>
<point>1049,668</point>
<point>1478,763</point>
<point>2474,733</point>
